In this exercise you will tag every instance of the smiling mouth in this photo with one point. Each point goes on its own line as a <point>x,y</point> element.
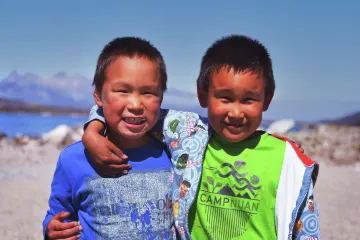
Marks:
<point>135,121</point>
<point>234,125</point>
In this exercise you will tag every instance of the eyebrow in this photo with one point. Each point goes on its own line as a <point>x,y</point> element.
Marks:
<point>120,84</point>
<point>127,86</point>
<point>227,91</point>
<point>222,91</point>
<point>252,93</point>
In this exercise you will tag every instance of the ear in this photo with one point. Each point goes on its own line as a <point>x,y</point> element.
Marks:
<point>267,101</point>
<point>97,98</point>
<point>202,97</point>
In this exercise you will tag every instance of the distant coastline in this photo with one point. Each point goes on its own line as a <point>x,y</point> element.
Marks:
<point>16,106</point>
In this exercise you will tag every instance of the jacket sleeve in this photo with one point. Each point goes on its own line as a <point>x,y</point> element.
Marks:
<point>96,113</point>
<point>307,224</point>
<point>60,197</point>
<point>175,126</point>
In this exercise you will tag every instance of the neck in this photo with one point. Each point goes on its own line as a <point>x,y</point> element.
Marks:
<point>125,143</point>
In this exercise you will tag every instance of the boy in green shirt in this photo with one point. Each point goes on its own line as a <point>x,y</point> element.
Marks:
<point>231,181</point>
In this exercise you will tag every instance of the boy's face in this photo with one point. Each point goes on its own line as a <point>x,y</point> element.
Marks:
<point>131,96</point>
<point>235,103</point>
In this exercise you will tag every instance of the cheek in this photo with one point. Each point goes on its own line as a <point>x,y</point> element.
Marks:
<point>216,109</point>
<point>112,114</point>
<point>216,113</point>
<point>113,106</point>
<point>113,100</point>
<point>253,111</point>
<point>152,108</point>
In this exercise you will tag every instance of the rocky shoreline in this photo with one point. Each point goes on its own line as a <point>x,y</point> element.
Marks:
<point>338,144</point>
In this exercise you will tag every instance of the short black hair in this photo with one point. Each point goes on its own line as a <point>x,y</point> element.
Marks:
<point>186,183</point>
<point>128,47</point>
<point>240,53</point>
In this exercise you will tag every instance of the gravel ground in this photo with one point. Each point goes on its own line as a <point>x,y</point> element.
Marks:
<point>26,172</point>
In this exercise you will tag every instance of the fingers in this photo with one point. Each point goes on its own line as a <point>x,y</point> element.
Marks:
<point>116,151</point>
<point>112,167</point>
<point>114,170</point>
<point>119,170</point>
<point>59,230</point>
<point>72,238</point>
<point>113,159</point>
<point>69,233</point>
<point>61,216</point>
<point>298,145</point>
<point>60,226</point>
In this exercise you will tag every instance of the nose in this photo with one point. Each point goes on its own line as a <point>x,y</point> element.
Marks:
<point>135,105</point>
<point>236,112</point>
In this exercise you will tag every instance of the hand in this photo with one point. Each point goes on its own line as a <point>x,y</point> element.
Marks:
<point>298,145</point>
<point>108,160</point>
<point>58,229</point>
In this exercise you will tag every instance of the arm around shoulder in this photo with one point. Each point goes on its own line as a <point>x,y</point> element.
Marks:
<point>96,113</point>
<point>60,197</point>
<point>175,125</point>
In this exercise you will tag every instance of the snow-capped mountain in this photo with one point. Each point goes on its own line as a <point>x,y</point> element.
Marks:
<point>58,90</point>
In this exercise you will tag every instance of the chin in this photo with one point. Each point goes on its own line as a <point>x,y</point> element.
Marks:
<point>230,137</point>
<point>132,133</point>
<point>133,136</point>
<point>233,138</point>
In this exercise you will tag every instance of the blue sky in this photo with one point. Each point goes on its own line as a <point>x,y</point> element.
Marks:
<point>314,45</point>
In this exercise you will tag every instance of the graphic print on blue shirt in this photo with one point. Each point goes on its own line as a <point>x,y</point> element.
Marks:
<point>134,206</point>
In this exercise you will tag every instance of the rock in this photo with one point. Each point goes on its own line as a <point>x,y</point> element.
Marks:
<point>22,140</point>
<point>281,126</point>
<point>339,144</point>
<point>57,135</point>
<point>74,135</point>
<point>357,167</point>
<point>345,156</point>
<point>2,135</point>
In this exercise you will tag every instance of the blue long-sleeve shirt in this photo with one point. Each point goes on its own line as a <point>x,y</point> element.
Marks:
<point>134,206</point>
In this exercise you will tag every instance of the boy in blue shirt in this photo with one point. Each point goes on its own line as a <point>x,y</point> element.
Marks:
<point>232,181</point>
<point>130,80</point>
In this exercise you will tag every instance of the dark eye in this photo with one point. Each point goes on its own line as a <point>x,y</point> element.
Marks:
<point>122,91</point>
<point>249,100</point>
<point>150,93</point>
<point>225,99</point>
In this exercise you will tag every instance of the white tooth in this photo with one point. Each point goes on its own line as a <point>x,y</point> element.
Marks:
<point>134,120</point>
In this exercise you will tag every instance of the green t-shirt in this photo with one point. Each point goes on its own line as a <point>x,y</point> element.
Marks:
<point>237,192</point>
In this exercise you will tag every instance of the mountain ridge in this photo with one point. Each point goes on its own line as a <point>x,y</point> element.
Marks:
<point>63,90</point>
<point>15,106</point>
